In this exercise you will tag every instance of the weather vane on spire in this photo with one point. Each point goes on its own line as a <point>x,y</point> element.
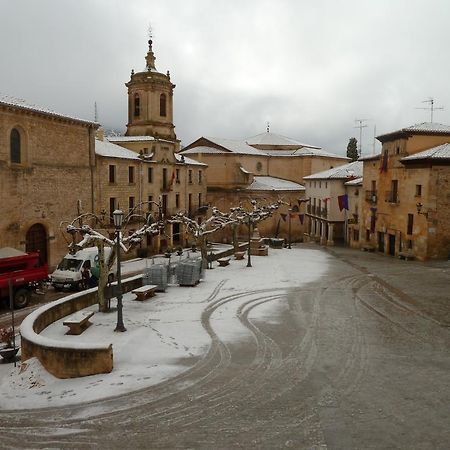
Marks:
<point>150,35</point>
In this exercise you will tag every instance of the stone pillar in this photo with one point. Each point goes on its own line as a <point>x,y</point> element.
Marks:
<point>170,235</point>
<point>330,234</point>
<point>323,235</point>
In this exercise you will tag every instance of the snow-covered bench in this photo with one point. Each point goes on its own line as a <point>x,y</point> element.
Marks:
<point>78,322</point>
<point>145,292</point>
<point>223,262</point>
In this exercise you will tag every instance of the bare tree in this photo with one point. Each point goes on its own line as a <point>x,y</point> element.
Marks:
<point>200,231</point>
<point>93,237</point>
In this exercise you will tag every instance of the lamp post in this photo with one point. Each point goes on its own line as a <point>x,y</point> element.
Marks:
<point>289,231</point>
<point>118,220</point>
<point>249,262</point>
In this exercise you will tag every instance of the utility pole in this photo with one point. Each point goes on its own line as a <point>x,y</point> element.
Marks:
<point>360,126</point>
<point>431,108</point>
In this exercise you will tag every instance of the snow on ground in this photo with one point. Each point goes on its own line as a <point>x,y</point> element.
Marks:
<point>165,335</point>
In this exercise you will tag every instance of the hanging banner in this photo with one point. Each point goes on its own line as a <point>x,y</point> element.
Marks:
<point>343,202</point>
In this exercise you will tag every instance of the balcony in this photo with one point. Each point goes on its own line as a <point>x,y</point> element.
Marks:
<point>371,196</point>
<point>308,209</point>
<point>392,197</point>
<point>324,212</point>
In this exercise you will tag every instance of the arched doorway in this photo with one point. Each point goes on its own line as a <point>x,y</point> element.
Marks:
<point>36,241</point>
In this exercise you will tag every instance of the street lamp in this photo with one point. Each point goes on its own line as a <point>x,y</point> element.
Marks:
<point>249,262</point>
<point>289,231</point>
<point>118,220</point>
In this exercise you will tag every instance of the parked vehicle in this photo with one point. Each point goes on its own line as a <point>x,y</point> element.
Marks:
<point>71,271</point>
<point>26,272</point>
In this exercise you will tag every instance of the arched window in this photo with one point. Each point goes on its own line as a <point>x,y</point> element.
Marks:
<point>162,105</point>
<point>15,146</point>
<point>137,105</point>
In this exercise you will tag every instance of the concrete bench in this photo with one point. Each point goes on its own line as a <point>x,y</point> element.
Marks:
<point>223,262</point>
<point>145,292</point>
<point>368,248</point>
<point>78,322</point>
<point>239,255</point>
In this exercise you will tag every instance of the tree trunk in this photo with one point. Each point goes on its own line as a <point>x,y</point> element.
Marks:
<point>103,277</point>
<point>235,238</point>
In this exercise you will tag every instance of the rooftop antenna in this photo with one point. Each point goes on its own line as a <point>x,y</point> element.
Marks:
<point>268,127</point>
<point>95,112</point>
<point>374,137</point>
<point>431,108</point>
<point>360,126</point>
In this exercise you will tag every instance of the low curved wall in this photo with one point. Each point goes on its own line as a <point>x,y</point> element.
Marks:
<point>62,359</point>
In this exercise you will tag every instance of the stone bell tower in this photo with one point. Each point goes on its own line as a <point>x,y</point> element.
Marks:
<point>150,102</point>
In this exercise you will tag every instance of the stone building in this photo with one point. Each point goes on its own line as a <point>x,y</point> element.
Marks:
<point>333,203</point>
<point>407,209</point>
<point>274,164</point>
<point>47,170</point>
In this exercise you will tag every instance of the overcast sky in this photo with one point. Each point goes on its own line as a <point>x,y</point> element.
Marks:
<point>310,68</point>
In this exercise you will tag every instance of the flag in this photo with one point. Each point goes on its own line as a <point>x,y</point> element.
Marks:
<point>301,217</point>
<point>283,216</point>
<point>343,202</point>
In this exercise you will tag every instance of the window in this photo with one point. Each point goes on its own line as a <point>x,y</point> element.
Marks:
<point>112,207</point>
<point>15,146</point>
<point>320,184</point>
<point>199,177</point>
<point>150,174</point>
<point>326,184</point>
<point>418,190</point>
<point>112,173</point>
<point>162,105</point>
<point>131,174</point>
<point>356,192</point>
<point>409,229</point>
<point>150,204</point>
<point>394,191</point>
<point>137,105</point>
<point>189,203</point>
<point>190,176</point>
<point>177,200</point>
<point>130,203</point>
<point>145,151</point>
<point>177,175</point>
<point>199,200</point>
<point>374,186</point>
<point>164,204</point>
<point>397,151</point>
<point>259,166</point>
<point>164,180</point>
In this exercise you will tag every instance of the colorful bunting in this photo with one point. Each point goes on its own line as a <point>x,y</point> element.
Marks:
<point>283,216</point>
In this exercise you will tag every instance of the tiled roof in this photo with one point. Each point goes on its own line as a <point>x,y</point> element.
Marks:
<point>440,152</point>
<point>232,145</point>
<point>269,138</point>
<point>264,183</point>
<point>351,170</point>
<point>420,128</point>
<point>202,149</point>
<point>108,149</point>
<point>23,104</point>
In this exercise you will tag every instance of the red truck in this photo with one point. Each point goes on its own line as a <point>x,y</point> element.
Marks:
<point>26,272</point>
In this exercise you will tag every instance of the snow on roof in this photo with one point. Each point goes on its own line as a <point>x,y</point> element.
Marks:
<point>108,149</point>
<point>351,170</point>
<point>8,100</point>
<point>305,151</point>
<point>236,146</point>
<point>437,153</point>
<point>355,182</point>
<point>269,138</point>
<point>265,183</point>
<point>420,128</point>
<point>369,157</point>
<point>183,159</point>
<point>135,139</point>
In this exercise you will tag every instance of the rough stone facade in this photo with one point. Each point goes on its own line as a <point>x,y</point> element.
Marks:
<point>54,175</point>
<point>392,222</point>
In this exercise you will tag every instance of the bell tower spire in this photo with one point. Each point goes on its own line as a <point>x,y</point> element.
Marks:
<point>150,101</point>
<point>150,58</point>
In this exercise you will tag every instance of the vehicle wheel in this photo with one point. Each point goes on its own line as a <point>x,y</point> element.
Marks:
<point>57,287</point>
<point>21,298</point>
<point>110,278</point>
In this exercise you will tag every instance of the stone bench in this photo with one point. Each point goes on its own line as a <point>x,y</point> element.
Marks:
<point>239,255</point>
<point>223,262</point>
<point>368,248</point>
<point>406,256</point>
<point>145,292</point>
<point>78,322</point>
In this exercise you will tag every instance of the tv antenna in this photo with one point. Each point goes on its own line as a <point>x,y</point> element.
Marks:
<point>431,108</point>
<point>95,112</point>
<point>360,126</point>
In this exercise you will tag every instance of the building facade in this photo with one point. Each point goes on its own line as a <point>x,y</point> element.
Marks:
<point>406,207</point>
<point>47,174</point>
